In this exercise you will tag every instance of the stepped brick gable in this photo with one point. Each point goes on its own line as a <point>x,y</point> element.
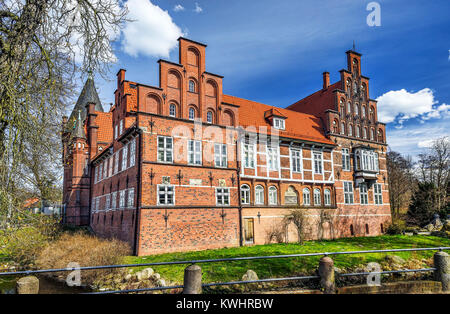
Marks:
<point>183,166</point>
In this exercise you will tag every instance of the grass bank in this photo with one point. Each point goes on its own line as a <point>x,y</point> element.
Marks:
<point>229,271</point>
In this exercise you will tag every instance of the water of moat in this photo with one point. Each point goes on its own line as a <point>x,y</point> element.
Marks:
<point>46,286</point>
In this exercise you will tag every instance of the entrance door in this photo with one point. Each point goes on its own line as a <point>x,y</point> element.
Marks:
<point>249,230</point>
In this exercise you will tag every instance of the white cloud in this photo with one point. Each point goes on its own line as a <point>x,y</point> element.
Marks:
<point>402,105</point>
<point>178,8</point>
<point>197,9</point>
<point>151,32</point>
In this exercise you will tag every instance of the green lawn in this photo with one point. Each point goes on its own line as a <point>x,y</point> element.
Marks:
<point>285,267</point>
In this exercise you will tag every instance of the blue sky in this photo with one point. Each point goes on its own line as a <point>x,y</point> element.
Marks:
<point>275,52</point>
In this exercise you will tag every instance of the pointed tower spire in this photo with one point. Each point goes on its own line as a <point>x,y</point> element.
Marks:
<point>87,95</point>
<point>78,131</point>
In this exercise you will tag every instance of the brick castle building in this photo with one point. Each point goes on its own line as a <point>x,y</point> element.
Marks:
<point>183,166</point>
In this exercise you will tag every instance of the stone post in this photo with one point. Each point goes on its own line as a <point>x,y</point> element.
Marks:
<point>442,272</point>
<point>326,273</point>
<point>192,280</point>
<point>27,285</point>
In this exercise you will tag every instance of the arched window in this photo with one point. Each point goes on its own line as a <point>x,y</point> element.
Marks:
<point>342,107</point>
<point>342,128</point>
<point>191,86</point>
<point>356,130</point>
<point>317,200</point>
<point>209,117</point>
<point>356,109</point>
<point>245,194</point>
<point>259,195</point>
<point>327,197</point>
<point>372,134</point>
<point>172,110</point>
<point>363,111</point>
<point>191,113</point>
<point>273,199</point>
<point>335,126</point>
<point>380,135</point>
<point>350,130</point>
<point>372,114</point>
<point>349,108</point>
<point>349,84</point>
<point>306,197</point>
<point>365,133</point>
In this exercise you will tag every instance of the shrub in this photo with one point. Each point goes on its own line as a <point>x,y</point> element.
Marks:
<point>275,233</point>
<point>24,244</point>
<point>397,227</point>
<point>86,250</point>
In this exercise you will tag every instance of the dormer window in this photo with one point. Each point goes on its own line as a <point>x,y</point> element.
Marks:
<point>278,123</point>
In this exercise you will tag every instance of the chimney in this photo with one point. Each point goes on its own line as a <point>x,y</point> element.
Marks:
<point>92,129</point>
<point>120,77</point>
<point>326,80</point>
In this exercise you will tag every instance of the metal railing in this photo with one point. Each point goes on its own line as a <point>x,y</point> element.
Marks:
<point>232,259</point>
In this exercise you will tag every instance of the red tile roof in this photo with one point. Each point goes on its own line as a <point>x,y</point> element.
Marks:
<point>298,125</point>
<point>105,129</point>
<point>317,103</point>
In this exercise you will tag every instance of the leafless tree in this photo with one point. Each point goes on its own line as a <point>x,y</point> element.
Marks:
<point>42,45</point>
<point>401,181</point>
<point>434,168</point>
<point>299,218</point>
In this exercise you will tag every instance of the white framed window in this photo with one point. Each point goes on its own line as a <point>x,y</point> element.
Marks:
<point>273,196</point>
<point>327,197</point>
<point>272,157</point>
<point>278,123</point>
<point>132,152</point>
<point>191,86</point>
<point>105,169</point>
<point>222,196</point>
<point>191,113</point>
<point>122,198</point>
<point>113,200</point>
<point>100,172</point>
<point>116,162</point>
<point>306,197</point>
<point>130,199</point>
<point>172,110</point>
<point>363,194</point>
<point>166,195</point>
<point>245,194</point>
<point>121,127</point>
<point>366,160</point>
<point>110,166</point>
<point>296,160</point>
<point>194,152</point>
<point>345,159</point>
<point>116,130</point>
<point>342,128</point>
<point>165,149</point>
<point>97,203</point>
<point>220,155</point>
<point>249,155</point>
<point>348,192</point>
<point>378,194</point>
<point>107,202</point>
<point>259,195</point>
<point>209,117</point>
<point>96,174</point>
<point>124,157</point>
<point>318,163</point>
<point>357,131</point>
<point>350,130</point>
<point>317,198</point>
